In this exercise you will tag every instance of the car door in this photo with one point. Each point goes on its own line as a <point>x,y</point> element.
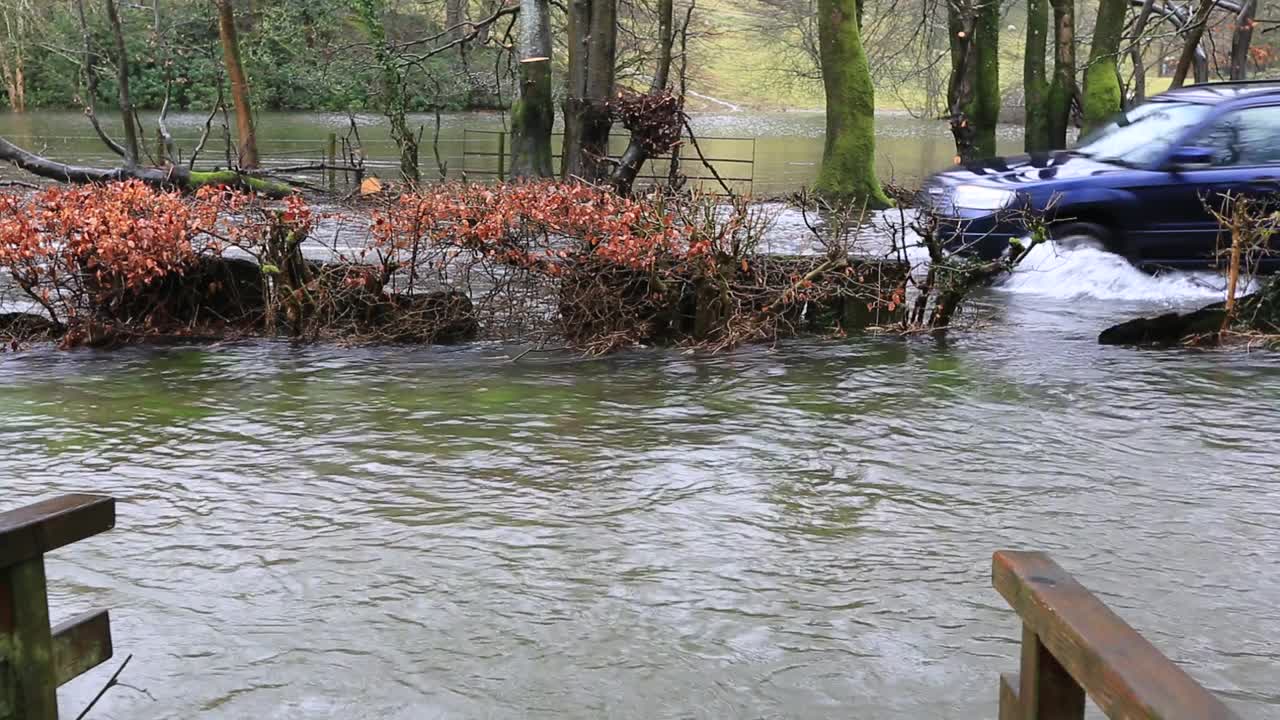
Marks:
<point>1245,147</point>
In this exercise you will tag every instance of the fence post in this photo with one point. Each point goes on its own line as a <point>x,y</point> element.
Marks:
<point>333,161</point>
<point>502,156</point>
<point>35,658</point>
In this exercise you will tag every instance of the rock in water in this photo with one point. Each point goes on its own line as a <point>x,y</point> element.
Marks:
<point>1167,329</point>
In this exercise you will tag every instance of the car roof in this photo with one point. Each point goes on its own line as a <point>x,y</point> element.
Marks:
<point>1214,93</point>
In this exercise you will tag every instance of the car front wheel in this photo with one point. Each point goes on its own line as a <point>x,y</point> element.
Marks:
<point>1079,235</point>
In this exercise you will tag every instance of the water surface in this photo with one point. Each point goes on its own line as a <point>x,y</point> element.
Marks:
<point>773,152</point>
<point>801,531</point>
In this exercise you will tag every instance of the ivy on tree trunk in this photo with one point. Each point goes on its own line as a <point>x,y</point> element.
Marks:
<point>848,157</point>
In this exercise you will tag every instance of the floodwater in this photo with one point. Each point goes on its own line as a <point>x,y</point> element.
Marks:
<point>763,153</point>
<point>801,531</point>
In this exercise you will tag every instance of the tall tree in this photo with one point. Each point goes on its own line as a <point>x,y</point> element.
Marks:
<point>1135,51</point>
<point>1241,38</point>
<point>973,93</point>
<point>849,153</point>
<point>127,114</point>
<point>1102,95</point>
<point>593,47</point>
<point>1191,43</point>
<point>1062,91</point>
<point>13,51</point>
<point>248,150</point>
<point>533,113</point>
<point>1035,81</point>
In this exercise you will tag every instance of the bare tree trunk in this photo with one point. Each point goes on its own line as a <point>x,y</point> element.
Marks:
<point>1062,90</point>
<point>593,34</point>
<point>534,112</point>
<point>1135,52</point>
<point>14,54</point>
<point>1035,82</point>
<point>131,153</point>
<point>248,153</point>
<point>1191,43</point>
<point>455,13</point>
<point>635,156</point>
<point>1241,38</point>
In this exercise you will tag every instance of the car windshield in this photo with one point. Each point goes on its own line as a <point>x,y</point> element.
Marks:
<point>1139,137</point>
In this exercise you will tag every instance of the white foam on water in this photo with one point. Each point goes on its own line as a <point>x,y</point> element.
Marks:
<point>1051,271</point>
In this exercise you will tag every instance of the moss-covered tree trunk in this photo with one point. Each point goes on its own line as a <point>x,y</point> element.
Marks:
<point>533,113</point>
<point>1102,95</point>
<point>1063,88</point>
<point>248,150</point>
<point>593,38</point>
<point>1035,81</point>
<point>973,92</point>
<point>848,157</point>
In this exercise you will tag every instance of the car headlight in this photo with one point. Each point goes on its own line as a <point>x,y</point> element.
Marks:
<point>978,197</point>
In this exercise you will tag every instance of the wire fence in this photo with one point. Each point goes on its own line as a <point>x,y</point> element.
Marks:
<point>485,153</point>
<point>337,161</point>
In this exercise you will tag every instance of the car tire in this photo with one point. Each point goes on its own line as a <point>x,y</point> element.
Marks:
<point>1078,235</point>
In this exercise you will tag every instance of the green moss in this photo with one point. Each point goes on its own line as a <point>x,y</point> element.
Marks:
<point>1102,97</point>
<point>231,178</point>
<point>987,87</point>
<point>848,158</point>
<point>531,119</point>
<point>1035,86</point>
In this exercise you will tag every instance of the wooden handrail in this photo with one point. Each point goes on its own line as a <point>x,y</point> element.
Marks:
<point>35,658</point>
<point>1073,645</point>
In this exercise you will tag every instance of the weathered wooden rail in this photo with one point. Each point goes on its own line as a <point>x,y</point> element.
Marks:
<point>35,659</point>
<point>1073,646</point>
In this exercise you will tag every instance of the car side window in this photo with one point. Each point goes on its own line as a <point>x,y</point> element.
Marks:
<point>1244,137</point>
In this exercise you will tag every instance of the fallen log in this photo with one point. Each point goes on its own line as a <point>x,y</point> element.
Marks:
<point>170,177</point>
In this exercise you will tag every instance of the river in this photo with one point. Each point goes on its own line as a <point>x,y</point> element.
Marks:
<point>801,531</point>
<point>773,153</point>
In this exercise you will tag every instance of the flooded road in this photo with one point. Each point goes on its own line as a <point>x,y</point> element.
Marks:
<point>802,531</point>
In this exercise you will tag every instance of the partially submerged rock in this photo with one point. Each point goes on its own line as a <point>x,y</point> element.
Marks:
<point>1255,314</point>
<point>1168,329</point>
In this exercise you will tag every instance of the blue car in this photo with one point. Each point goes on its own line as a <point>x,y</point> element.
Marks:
<point>1136,187</point>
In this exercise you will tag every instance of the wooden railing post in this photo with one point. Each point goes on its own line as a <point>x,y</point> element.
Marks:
<point>1073,646</point>
<point>333,161</point>
<point>35,658</point>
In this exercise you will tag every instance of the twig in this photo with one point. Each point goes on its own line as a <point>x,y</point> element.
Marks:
<point>115,680</point>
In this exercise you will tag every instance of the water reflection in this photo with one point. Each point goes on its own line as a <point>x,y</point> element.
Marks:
<point>786,148</point>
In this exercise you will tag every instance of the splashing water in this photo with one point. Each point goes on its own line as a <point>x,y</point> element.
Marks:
<point>1052,271</point>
